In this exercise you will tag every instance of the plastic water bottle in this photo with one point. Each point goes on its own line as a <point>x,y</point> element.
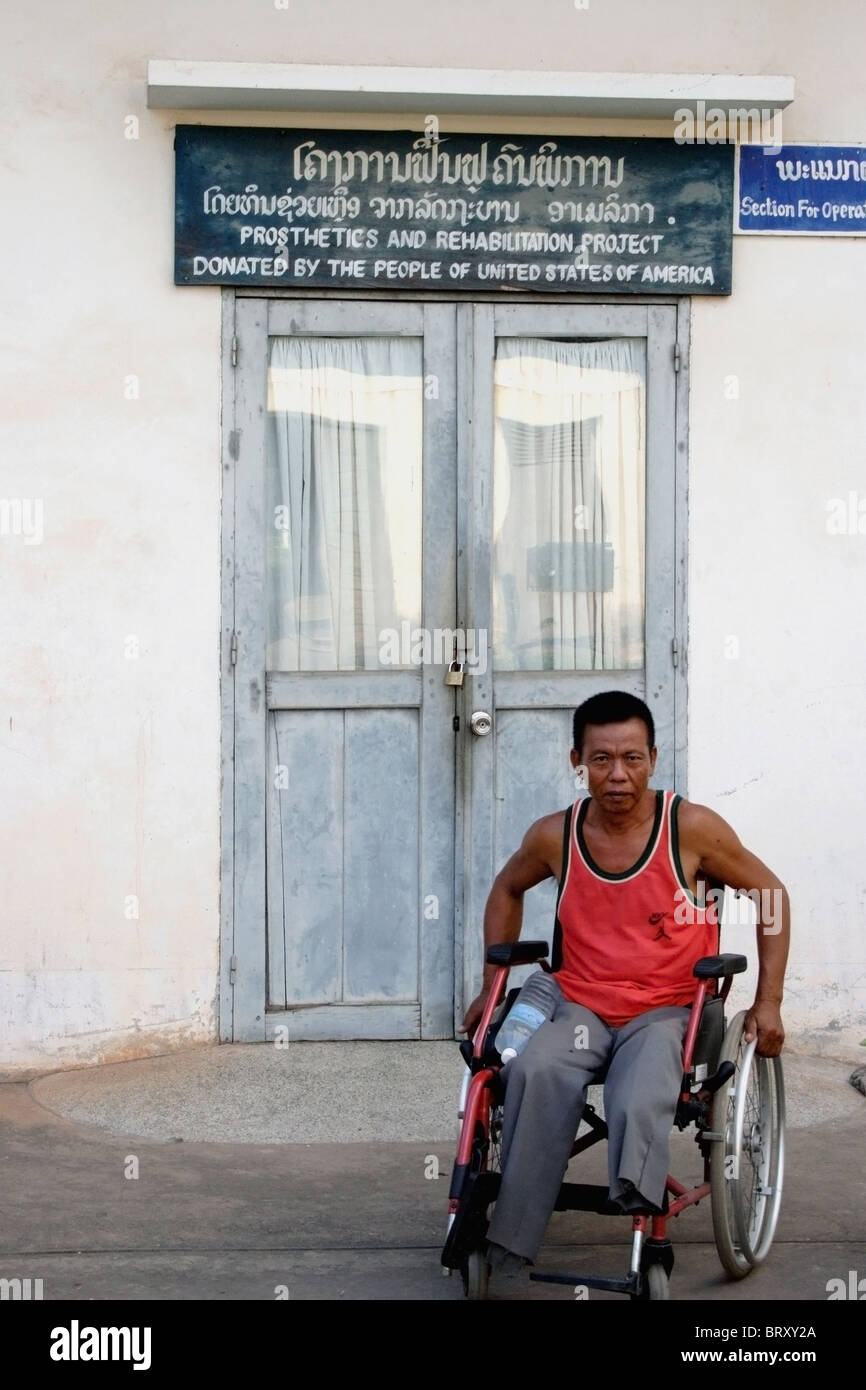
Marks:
<point>534,1005</point>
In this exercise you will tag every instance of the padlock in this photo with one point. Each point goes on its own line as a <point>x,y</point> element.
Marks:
<point>454,674</point>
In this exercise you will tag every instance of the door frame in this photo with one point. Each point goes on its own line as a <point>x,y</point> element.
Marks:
<point>241,992</point>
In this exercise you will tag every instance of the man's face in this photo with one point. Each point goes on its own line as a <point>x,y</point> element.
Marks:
<point>618,762</point>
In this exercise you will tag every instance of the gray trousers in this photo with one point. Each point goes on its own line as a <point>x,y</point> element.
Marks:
<point>544,1097</point>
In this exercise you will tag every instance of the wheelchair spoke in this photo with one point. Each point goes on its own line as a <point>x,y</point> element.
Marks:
<point>753,1150</point>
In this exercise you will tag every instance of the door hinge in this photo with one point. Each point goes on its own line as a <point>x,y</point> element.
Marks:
<point>455,723</point>
<point>233,650</point>
<point>234,352</point>
<point>233,969</point>
<point>677,357</point>
<point>675,651</point>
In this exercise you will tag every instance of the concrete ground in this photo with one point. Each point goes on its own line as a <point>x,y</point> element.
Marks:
<point>250,1172</point>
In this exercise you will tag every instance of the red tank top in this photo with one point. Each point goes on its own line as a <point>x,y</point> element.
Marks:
<point>625,943</point>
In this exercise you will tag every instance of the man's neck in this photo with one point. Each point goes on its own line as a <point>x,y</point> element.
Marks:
<point>613,823</point>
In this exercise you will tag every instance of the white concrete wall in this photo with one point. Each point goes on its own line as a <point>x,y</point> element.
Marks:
<point>777,735</point>
<point>110,765</point>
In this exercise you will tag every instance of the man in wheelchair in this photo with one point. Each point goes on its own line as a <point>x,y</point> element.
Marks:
<point>633,918</point>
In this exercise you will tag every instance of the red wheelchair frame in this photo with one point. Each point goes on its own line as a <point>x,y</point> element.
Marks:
<point>733,1097</point>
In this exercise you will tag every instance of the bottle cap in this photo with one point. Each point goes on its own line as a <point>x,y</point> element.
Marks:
<point>508,1054</point>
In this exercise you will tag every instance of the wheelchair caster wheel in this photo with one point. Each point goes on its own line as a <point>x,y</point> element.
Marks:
<point>657,1282</point>
<point>476,1278</point>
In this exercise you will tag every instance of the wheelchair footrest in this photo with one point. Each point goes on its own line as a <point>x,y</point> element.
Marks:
<point>584,1196</point>
<point>628,1285</point>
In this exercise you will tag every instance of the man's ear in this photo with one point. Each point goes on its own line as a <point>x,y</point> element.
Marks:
<point>654,752</point>
<point>574,755</point>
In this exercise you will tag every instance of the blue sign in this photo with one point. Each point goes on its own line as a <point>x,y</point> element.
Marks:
<point>802,189</point>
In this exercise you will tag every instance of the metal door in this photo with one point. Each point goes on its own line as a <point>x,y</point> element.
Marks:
<point>572,560</point>
<point>341,818</point>
<point>363,820</point>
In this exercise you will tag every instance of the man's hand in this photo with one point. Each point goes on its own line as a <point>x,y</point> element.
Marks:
<point>764,1022</point>
<point>474,1012</point>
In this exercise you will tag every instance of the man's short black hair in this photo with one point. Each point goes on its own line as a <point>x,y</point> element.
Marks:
<point>612,707</point>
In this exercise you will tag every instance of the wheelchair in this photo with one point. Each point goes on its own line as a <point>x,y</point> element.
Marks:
<point>734,1098</point>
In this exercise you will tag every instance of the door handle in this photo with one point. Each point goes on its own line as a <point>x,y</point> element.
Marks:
<point>480,723</point>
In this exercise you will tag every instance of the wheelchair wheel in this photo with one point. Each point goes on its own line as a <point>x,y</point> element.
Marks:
<point>658,1284</point>
<point>477,1276</point>
<point>747,1164</point>
<point>475,1268</point>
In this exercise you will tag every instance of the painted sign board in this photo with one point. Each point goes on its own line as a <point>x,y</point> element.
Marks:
<point>392,209</point>
<point>802,189</point>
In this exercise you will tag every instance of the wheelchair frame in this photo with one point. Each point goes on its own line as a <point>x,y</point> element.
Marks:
<point>738,1111</point>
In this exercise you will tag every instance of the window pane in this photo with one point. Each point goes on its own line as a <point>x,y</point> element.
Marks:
<point>344,500</point>
<point>568,500</point>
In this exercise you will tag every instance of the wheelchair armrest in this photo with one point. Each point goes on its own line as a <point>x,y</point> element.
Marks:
<point>517,953</point>
<point>709,967</point>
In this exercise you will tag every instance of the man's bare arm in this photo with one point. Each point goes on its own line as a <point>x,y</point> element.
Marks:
<point>503,914</point>
<point>722,856</point>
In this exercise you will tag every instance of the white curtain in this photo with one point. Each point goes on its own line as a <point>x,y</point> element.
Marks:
<point>344,499</point>
<point>569,494</point>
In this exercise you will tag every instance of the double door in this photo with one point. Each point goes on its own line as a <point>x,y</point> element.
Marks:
<point>449,525</point>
